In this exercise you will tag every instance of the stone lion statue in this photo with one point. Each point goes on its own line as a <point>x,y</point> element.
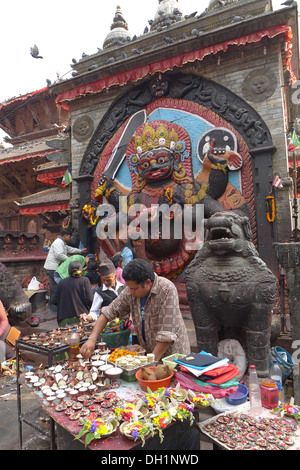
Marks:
<point>13,298</point>
<point>231,291</point>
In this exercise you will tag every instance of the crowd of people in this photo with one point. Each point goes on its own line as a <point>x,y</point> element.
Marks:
<point>123,287</point>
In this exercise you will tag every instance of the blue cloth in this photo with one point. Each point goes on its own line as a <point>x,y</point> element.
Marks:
<point>127,254</point>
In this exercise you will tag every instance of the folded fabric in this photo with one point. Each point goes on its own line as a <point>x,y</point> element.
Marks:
<point>230,374</point>
<point>222,375</point>
<point>215,391</point>
<point>217,376</point>
<point>225,385</point>
<point>203,370</point>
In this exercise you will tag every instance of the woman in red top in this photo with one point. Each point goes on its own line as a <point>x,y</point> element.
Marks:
<point>4,329</point>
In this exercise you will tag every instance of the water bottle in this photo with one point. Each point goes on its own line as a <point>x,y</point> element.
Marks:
<point>276,375</point>
<point>254,393</point>
<point>74,341</point>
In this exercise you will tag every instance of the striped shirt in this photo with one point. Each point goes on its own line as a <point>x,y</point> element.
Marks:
<point>163,319</point>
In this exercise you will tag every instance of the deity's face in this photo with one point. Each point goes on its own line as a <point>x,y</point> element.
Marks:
<point>260,84</point>
<point>156,164</point>
<point>159,86</point>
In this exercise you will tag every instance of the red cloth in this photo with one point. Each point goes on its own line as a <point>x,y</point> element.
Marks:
<point>34,210</point>
<point>51,177</point>
<point>216,392</point>
<point>225,376</point>
<point>23,157</point>
<point>216,376</point>
<point>164,65</point>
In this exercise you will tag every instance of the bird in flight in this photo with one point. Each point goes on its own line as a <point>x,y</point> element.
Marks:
<point>34,51</point>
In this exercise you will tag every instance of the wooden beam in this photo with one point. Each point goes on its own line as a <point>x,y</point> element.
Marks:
<point>9,184</point>
<point>18,176</point>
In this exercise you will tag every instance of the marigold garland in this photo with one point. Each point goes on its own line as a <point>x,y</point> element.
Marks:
<point>270,217</point>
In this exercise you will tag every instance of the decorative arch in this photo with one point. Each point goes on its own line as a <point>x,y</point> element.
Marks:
<point>195,97</point>
<point>233,109</point>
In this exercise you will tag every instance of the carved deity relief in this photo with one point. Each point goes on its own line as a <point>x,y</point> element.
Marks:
<point>83,128</point>
<point>259,85</point>
<point>183,154</point>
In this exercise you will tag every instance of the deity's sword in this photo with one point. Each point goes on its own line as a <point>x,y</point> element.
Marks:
<point>119,152</point>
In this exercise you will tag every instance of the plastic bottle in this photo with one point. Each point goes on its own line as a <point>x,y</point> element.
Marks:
<point>254,393</point>
<point>74,341</point>
<point>276,375</point>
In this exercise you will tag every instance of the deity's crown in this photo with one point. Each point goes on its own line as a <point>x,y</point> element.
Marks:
<point>152,138</point>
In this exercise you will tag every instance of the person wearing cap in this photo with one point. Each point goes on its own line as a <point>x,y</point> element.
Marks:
<point>152,302</point>
<point>58,253</point>
<point>73,296</point>
<point>109,290</point>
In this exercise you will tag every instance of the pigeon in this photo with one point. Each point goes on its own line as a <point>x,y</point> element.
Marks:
<point>203,13</point>
<point>34,51</point>
<point>135,51</point>
<point>222,3</point>
<point>235,19</point>
<point>117,42</point>
<point>48,82</point>
<point>146,30</point>
<point>168,40</point>
<point>191,15</point>
<point>110,60</point>
<point>75,73</point>
<point>74,61</point>
<point>124,55</point>
<point>288,2</point>
<point>93,66</point>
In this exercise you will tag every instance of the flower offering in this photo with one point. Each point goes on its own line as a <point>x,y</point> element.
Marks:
<point>95,428</point>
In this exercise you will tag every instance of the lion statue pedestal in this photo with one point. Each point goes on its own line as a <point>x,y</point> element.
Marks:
<point>231,291</point>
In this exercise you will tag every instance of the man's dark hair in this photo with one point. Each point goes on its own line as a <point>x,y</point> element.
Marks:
<point>92,265</point>
<point>117,259</point>
<point>138,270</point>
<point>65,231</point>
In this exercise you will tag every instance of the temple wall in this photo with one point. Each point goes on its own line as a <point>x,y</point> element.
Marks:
<point>231,71</point>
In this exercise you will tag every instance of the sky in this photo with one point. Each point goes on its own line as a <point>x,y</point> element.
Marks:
<point>62,30</point>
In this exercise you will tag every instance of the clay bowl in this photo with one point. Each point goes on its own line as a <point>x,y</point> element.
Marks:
<point>113,373</point>
<point>153,384</point>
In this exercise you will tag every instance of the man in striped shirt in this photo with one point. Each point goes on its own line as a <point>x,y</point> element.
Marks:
<point>153,303</point>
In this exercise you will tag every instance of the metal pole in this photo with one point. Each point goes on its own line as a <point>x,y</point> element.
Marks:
<point>19,397</point>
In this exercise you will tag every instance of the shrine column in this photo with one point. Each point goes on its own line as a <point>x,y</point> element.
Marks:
<point>262,184</point>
